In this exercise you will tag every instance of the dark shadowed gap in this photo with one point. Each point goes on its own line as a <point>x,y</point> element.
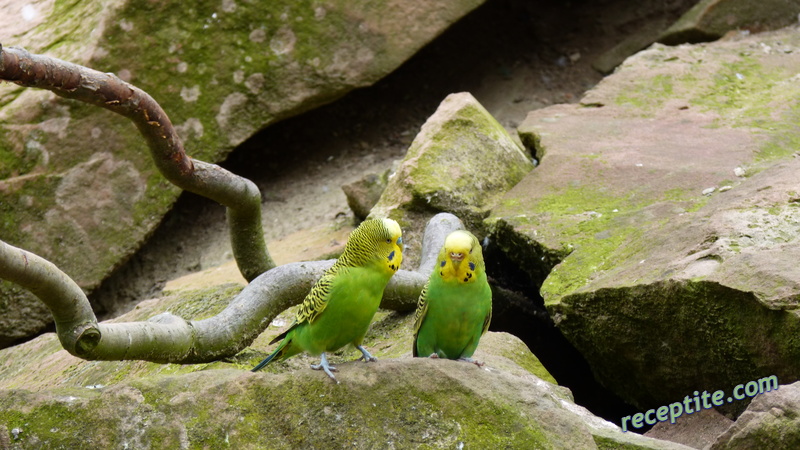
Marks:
<point>529,321</point>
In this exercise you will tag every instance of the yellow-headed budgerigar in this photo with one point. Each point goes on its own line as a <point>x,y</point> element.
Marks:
<point>339,308</point>
<point>455,307</point>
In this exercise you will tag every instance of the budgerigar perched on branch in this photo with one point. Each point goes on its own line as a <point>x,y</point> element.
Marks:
<point>455,307</point>
<point>339,308</point>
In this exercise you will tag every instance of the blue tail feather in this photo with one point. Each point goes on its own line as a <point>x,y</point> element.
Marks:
<point>266,361</point>
<point>278,353</point>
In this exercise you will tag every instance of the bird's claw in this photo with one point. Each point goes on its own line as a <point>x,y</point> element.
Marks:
<point>365,355</point>
<point>325,368</point>
<point>323,365</point>
<point>473,361</point>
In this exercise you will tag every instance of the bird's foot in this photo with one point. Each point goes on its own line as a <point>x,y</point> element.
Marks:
<point>365,355</point>
<point>434,356</point>
<point>323,365</point>
<point>473,361</point>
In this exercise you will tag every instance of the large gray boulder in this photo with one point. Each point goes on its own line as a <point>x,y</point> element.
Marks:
<point>662,222</point>
<point>49,398</point>
<point>711,19</point>
<point>704,20</point>
<point>76,181</point>
<point>772,420</point>
<point>462,161</point>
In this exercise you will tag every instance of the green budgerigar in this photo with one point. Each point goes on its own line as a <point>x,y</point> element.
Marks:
<point>339,308</point>
<point>455,307</point>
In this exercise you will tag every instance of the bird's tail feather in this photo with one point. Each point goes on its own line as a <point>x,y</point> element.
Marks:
<point>277,353</point>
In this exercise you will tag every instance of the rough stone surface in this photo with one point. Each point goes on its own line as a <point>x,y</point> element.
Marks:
<point>663,289</point>
<point>77,183</point>
<point>395,403</point>
<point>363,195</point>
<point>645,33</point>
<point>461,162</point>
<point>53,399</point>
<point>697,430</point>
<point>706,20</point>
<point>771,421</point>
<point>711,19</point>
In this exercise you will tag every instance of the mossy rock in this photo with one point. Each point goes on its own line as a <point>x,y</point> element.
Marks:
<point>661,223</point>
<point>404,403</point>
<point>711,19</point>
<point>78,185</point>
<point>461,162</point>
<point>772,419</point>
<point>52,399</point>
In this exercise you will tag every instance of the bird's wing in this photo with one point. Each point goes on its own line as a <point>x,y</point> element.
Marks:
<point>280,337</point>
<point>422,309</point>
<point>486,321</point>
<point>316,300</point>
<point>419,314</point>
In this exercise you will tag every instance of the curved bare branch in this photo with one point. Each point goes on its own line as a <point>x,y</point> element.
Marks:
<point>74,318</point>
<point>169,338</point>
<point>241,196</point>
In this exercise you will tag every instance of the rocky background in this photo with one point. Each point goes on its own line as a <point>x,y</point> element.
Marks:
<point>647,220</point>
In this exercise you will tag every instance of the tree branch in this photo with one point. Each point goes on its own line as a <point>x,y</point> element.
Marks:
<point>241,196</point>
<point>74,318</point>
<point>167,338</point>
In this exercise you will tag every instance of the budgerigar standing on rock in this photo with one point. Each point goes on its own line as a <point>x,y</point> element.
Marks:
<point>339,308</point>
<point>455,307</point>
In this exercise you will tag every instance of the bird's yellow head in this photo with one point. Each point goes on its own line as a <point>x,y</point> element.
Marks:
<point>460,258</point>
<point>375,241</point>
<point>395,245</point>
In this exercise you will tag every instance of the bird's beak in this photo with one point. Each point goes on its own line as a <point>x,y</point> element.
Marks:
<point>456,257</point>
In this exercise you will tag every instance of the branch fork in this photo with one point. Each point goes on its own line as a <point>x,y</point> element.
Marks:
<point>166,338</point>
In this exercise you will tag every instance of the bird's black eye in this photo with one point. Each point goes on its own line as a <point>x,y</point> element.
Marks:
<point>388,241</point>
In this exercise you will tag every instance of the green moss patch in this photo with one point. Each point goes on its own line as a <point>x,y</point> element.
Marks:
<point>665,285</point>
<point>732,337</point>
